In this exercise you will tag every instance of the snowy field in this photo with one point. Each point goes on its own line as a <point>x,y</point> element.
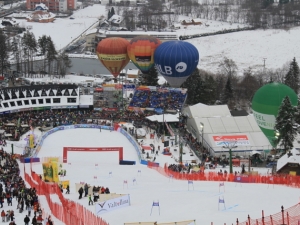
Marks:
<point>64,30</point>
<point>248,48</point>
<point>177,203</point>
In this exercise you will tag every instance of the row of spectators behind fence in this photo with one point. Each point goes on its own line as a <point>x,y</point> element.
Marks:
<point>14,190</point>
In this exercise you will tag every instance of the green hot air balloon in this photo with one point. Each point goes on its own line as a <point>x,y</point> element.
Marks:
<point>266,103</point>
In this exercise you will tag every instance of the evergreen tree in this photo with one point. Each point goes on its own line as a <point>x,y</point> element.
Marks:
<point>194,85</point>
<point>112,11</point>
<point>285,124</point>
<point>151,78</point>
<point>292,78</point>
<point>108,14</point>
<point>4,63</point>
<point>51,54</point>
<point>42,44</point>
<point>227,95</point>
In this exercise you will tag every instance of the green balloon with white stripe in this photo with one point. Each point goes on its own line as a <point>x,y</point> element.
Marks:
<point>266,103</point>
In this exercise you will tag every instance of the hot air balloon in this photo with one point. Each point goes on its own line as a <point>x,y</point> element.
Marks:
<point>266,103</point>
<point>112,53</point>
<point>141,50</point>
<point>175,61</point>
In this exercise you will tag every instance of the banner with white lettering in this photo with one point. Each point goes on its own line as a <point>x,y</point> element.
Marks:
<point>112,204</point>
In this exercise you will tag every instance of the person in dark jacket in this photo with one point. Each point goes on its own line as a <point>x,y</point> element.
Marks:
<point>34,222</point>
<point>68,189</point>
<point>26,220</point>
<point>86,189</point>
<point>80,191</point>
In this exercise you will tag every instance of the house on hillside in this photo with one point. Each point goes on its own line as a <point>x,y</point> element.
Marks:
<point>191,22</point>
<point>41,7</point>
<point>116,21</point>
<point>289,163</point>
<point>41,17</point>
<point>9,23</point>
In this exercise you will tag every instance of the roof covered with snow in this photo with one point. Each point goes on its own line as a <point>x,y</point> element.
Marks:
<point>116,19</point>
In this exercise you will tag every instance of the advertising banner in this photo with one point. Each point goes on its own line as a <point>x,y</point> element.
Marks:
<point>48,172</point>
<point>223,140</point>
<point>64,183</point>
<point>55,177</point>
<point>31,141</point>
<point>112,204</point>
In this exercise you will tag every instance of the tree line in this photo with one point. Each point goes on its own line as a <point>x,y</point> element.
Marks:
<point>22,52</point>
<point>256,13</point>
<point>227,87</point>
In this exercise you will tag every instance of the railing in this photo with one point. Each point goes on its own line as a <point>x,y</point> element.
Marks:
<point>67,211</point>
<point>290,216</point>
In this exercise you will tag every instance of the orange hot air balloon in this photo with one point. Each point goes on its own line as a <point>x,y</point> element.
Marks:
<point>112,53</point>
<point>141,51</point>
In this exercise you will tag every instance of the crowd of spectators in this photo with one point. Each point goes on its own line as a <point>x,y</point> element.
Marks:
<point>158,99</point>
<point>14,191</point>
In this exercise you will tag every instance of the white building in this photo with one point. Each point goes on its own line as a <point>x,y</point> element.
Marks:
<point>35,97</point>
<point>221,129</point>
<point>63,5</point>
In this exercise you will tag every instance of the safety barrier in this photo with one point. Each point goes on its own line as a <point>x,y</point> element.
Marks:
<point>67,211</point>
<point>290,216</point>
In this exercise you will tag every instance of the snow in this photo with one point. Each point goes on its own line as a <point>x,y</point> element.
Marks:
<point>63,30</point>
<point>177,203</point>
<point>247,49</point>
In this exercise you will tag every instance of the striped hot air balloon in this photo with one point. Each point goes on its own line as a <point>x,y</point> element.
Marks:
<point>141,50</point>
<point>112,53</point>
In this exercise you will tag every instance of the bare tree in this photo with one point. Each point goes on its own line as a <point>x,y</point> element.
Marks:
<point>228,67</point>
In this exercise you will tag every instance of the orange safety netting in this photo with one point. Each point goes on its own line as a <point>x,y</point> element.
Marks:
<point>290,216</point>
<point>67,211</point>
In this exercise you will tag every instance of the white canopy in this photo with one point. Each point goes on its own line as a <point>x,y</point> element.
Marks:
<point>141,132</point>
<point>2,131</point>
<point>164,117</point>
<point>8,135</point>
<point>255,152</point>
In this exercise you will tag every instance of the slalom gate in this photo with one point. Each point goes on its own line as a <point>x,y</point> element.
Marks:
<point>289,216</point>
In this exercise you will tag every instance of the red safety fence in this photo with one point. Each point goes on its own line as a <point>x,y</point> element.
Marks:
<point>290,216</point>
<point>67,211</point>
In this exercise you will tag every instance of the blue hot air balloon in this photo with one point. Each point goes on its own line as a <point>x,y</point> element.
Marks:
<point>175,61</point>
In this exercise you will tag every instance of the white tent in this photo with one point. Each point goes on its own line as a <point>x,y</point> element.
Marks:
<point>221,129</point>
<point>164,117</point>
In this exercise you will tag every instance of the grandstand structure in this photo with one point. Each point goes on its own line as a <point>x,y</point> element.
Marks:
<point>158,99</point>
<point>38,97</point>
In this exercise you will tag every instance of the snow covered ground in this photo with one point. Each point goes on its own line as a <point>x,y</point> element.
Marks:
<point>248,48</point>
<point>177,203</point>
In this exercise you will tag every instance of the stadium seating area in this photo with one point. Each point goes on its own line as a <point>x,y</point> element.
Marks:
<point>158,98</point>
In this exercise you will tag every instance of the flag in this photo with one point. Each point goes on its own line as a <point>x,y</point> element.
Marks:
<point>221,200</point>
<point>190,182</point>
<point>134,180</point>
<point>221,184</point>
<point>125,181</point>
<point>155,204</point>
